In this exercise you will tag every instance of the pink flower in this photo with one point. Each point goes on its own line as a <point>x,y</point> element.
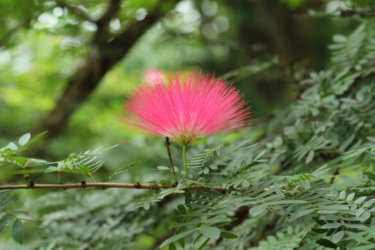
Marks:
<point>185,108</point>
<point>153,76</point>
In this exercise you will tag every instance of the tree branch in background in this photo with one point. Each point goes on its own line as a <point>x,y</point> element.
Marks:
<point>75,10</point>
<point>101,34</point>
<point>8,35</point>
<point>102,57</point>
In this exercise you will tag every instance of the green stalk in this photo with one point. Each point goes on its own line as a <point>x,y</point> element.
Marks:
<point>184,155</point>
<point>92,178</point>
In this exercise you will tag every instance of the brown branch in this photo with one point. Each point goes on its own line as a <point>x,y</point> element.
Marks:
<point>101,34</point>
<point>167,143</point>
<point>100,60</point>
<point>105,185</point>
<point>75,10</point>
<point>11,32</point>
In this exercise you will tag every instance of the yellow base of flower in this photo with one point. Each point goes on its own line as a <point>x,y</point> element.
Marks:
<point>184,140</point>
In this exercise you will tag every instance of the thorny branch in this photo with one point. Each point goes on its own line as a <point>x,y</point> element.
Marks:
<point>105,185</point>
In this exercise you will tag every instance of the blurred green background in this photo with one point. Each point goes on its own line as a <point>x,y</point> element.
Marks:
<point>67,66</point>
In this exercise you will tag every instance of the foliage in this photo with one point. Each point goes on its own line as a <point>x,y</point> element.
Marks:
<point>302,178</point>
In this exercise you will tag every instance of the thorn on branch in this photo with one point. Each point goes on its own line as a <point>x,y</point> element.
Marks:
<point>27,178</point>
<point>63,183</point>
<point>83,183</point>
<point>137,185</point>
<point>31,183</point>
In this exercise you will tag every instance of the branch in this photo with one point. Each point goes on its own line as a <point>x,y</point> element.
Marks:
<point>75,10</point>
<point>99,61</point>
<point>9,34</point>
<point>105,185</point>
<point>101,34</point>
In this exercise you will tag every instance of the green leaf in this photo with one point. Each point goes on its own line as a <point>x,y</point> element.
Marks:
<point>12,146</point>
<point>17,231</point>
<point>182,242</point>
<point>346,143</point>
<point>287,202</point>
<point>326,243</point>
<point>254,211</point>
<point>172,247</point>
<point>354,225</point>
<point>24,139</point>
<point>339,38</point>
<point>2,195</point>
<point>33,139</point>
<point>218,220</point>
<point>189,223</point>
<point>6,218</point>
<point>342,195</point>
<point>310,157</point>
<point>330,217</point>
<point>335,207</point>
<point>198,206</point>
<point>196,239</point>
<point>368,203</point>
<point>357,152</point>
<point>178,236</point>
<point>369,175</point>
<point>259,155</point>
<point>8,203</point>
<point>181,208</point>
<point>204,244</point>
<point>365,247</point>
<point>227,235</point>
<point>188,197</point>
<point>331,231</point>
<point>360,200</point>
<point>331,225</point>
<point>338,236</point>
<point>319,231</point>
<point>28,171</point>
<point>210,232</point>
<point>74,170</point>
<point>245,183</point>
<point>85,170</point>
<point>350,197</point>
<point>162,167</point>
<point>31,221</point>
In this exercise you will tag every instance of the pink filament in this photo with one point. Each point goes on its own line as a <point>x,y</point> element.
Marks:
<point>191,105</point>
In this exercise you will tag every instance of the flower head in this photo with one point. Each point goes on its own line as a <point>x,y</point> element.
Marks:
<point>185,108</point>
<point>153,76</point>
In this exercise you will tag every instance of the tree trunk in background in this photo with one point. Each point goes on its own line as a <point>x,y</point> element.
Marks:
<point>272,28</point>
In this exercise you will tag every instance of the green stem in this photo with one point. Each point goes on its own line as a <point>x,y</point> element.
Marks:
<point>184,155</point>
<point>92,178</point>
<point>58,177</point>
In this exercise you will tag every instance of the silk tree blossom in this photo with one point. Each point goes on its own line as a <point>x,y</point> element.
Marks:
<point>185,108</point>
<point>153,76</point>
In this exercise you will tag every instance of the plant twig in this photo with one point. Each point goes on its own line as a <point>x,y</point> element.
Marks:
<point>167,143</point>
<point>108,185</point>
<point>75,10</point>
<point>184,156</point>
